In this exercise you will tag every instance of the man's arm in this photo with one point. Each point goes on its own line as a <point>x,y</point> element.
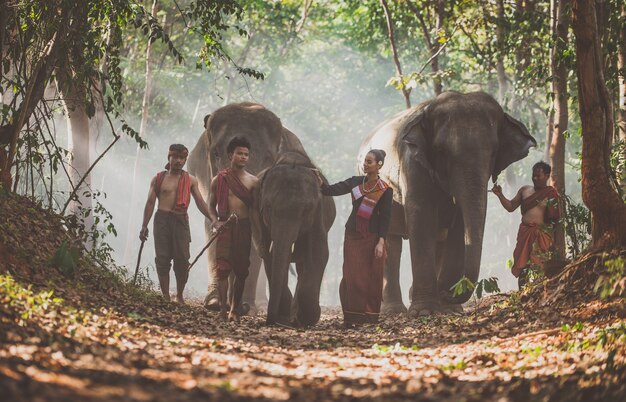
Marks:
<point>197,197</point>
<point>148,210</point>
<point>510,205</point>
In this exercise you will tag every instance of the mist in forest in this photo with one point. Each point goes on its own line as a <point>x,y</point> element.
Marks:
<point>331,101</point>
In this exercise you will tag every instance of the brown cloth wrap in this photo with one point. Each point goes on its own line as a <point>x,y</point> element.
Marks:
<point>361,288</point>
<point>171,242</point>
<point>533,244</point>
<point>232,250</point>
<point>232,247</point>
<point>534,241</point>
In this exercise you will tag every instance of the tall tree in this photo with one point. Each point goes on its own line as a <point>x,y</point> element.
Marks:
<point>596,112</point>
<point>432,43</point>
<point>143,128</point>
<point>406,92</point>
<point>621,65</point>
<point>560,97</point>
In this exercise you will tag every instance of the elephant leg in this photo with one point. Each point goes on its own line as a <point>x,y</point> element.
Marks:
<point>250,288</point>
<point>422,221</point>
<point>392,294</point>
<point>261,290</point>
<point>279,306</point>
<point>310,274</point>
<point>211,301</point>
<point>451,265</point>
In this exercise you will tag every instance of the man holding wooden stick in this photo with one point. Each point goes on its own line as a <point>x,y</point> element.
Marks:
<point>173,187</point>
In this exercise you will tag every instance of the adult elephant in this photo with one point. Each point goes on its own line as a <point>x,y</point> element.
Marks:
<point>294,220</point>
<point>440,155</point>
<point>268,138</point>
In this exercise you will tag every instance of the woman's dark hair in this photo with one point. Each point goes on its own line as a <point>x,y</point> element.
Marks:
<point>237,142</point>
<point>379,155</point>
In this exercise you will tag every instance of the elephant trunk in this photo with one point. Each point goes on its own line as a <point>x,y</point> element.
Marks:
<point>471,197</point>
<point>280,258</point>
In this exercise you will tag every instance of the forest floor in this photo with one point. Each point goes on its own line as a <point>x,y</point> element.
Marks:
<point>82,333</point>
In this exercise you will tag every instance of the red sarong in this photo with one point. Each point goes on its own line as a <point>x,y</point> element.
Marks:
<point>361,288</point>
<point>533,244</point>
<point>183,191</point>
<point>227,180</point>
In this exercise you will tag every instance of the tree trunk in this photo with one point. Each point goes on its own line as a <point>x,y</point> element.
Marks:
<point>406,92</point>
<point>598,191</point>
<point>433,47</point>
<point>500,37</point>
<point>132,224</point>
<point>621,119</point>
<point>79,148</point>
<point>559,89</point>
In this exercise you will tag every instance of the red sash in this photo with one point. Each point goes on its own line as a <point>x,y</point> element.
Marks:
<point>370,199</point>
<point>227,180</point>
<point>183,190</point>
<point>552,209</point>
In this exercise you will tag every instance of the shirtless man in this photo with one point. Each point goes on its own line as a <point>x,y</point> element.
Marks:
<point>231,192</point>
<point>540,211</point>
<point>172,187</point>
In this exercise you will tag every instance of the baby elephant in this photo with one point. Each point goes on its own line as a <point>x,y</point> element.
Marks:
<point>294,224</point>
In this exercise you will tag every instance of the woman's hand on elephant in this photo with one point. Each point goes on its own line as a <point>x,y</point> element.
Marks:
<point>319,177</point>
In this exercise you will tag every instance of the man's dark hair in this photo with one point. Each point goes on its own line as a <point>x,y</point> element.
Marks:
<point>543,166</point>
<point>237,142</point>
<point>178,148</point>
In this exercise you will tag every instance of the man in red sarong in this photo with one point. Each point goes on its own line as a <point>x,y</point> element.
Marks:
<point>540,213</point>
<point>231,193</point>
<point>173,187</point>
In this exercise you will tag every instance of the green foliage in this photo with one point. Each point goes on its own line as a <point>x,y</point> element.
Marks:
<point>532,351</point>
<point>577,221</point>
<point>579,326</point>
<point>488,285</point>
<point>22,303</point>
<point>458,365</point>
<point>483,286</point>
<point>66,258</point>
<point>464,285</point>
<point>613,281</point>
<point>393,348</point>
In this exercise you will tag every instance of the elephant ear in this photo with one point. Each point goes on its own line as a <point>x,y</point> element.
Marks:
<point>415,137</point>
<point>514,141</point>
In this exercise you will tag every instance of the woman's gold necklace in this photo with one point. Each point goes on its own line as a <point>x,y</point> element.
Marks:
<point>365,190</point>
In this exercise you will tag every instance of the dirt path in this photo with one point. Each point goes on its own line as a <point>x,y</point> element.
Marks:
<point>173,353</point>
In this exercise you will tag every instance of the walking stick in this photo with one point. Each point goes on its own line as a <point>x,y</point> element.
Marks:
<point>232,217</point>
<point>138,261</point>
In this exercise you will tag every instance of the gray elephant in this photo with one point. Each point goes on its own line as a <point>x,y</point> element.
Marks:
<point>293,220</point>
<point>268,138</point>
<point>440,155</point>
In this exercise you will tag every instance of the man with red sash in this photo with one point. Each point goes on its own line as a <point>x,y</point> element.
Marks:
<point>364,253</point>
<point>173,187</point>
<point>231,193</point>
<point>540,212</point>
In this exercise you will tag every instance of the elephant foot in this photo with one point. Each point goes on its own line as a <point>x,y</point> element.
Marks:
<point>212,303</point>
<point>423,309</point>
<point>451,308</point>
<point>393,308</point>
